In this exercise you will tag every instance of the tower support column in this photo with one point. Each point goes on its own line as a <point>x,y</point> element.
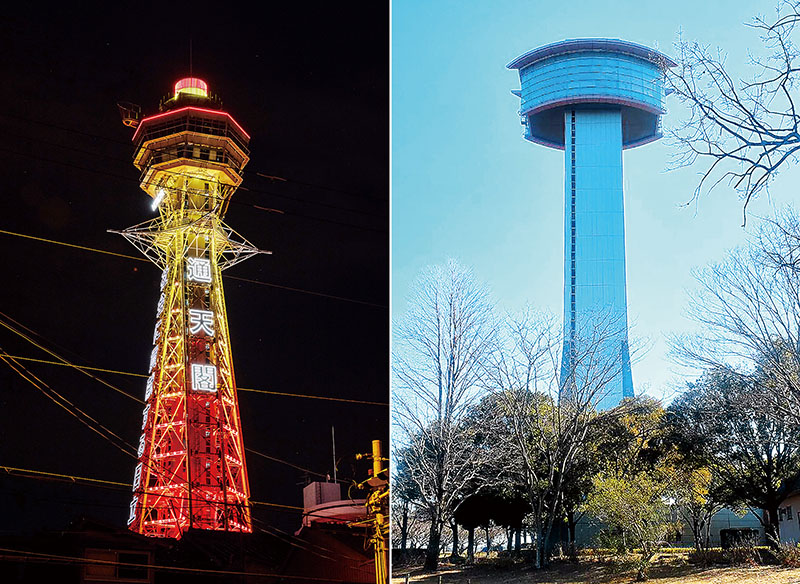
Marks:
<point>595,302</point>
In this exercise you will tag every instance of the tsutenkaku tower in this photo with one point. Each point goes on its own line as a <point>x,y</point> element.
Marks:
<point>191,472</point>
<point>593,98</point>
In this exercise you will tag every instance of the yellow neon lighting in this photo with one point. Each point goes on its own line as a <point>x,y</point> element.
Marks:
<point>191,86</point>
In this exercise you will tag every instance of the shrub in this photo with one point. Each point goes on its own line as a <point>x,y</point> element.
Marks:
<point>503,562</point>
<point>676,550</point>
<point>742,555</point>
<point>788,554</point>
<point>611,540</point>
<point>707,557</point>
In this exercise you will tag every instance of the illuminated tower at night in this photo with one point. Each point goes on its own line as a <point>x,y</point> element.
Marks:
<point>191,472</point>
<point>593,98</point>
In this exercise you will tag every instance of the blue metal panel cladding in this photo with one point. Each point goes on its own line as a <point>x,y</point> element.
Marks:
<point>595,301</point>
<point>598,76</point>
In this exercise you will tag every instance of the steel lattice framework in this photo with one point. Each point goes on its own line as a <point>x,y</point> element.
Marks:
<point>191,471</point>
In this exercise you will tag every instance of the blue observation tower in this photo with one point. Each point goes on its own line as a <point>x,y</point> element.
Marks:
<point>593,98</point>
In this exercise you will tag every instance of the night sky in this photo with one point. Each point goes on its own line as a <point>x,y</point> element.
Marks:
<point>310,84</point>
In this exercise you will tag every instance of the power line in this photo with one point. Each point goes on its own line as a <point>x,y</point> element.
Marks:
<point>92,482</point>
<point>43,475</point>
<point>287,463</point>
<point>142,375</point>
<point>343,298</point>
<point>62,359</point>
<point>176,157</point>
<point>40,475</point>
<point>67,405</point>
<point>256,522</point>
<point>115,485</point>
<point>290,540</point>
<point>139,259</point>
<point>246,170</point>
<point>82,416</point>
<point>34,556</point>
<point>326,398</point>
<point>69,478</point>
<point>72,408</point>
<point>234,201</point>
<point>47,362</point>
<point>83,247</point>
<point>66,363</point>
<point>43,339</point>
<point>314,185</point>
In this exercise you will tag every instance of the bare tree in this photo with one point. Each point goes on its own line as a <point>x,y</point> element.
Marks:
<point>745,129</point>
<point>409,529</point>
<point>748,307</point>
<point>441,351</point>
<point>405,496</point>
<point>547,414</point>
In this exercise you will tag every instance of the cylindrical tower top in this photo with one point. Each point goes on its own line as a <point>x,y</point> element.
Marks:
<point>594,72</point>
<point>191,86</point>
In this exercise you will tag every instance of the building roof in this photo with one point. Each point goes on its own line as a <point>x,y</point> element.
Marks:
<point>590,44</point>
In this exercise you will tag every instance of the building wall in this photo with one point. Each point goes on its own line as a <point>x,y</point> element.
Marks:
<point>595,301</point>
<point>591,74</point>
<point>789,519</point>
<point>726,519</point>
<point>587,528</point>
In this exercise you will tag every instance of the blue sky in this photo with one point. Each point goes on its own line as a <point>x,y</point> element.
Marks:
<point>466,185</point>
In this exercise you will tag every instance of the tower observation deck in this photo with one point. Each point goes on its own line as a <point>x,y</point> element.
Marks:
<point>191,471</point>
<point>592,98</point>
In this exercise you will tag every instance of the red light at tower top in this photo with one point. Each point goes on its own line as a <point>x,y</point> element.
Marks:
<point>191,86</point>
<point>191,472</point>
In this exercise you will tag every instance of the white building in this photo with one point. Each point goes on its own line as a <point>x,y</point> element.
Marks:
<point>789,518</point>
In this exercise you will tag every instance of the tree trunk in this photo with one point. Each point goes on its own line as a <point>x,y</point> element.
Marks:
<point>539,531</point>
<point>543,559</point>
<point>571,523</point>
<point>771,528</point>
<point>488,541</point>
<point>539,552</point>
<point>471,545</point>
<point>701,530</point>
<point>697,533</point>
<point>432,553</point>
<point>707,532</point>
<point>547,531</point>
<point>518,540</point>
<point>454,527</point>
<point>404,529</point>
<point>509,538</point>
<point>535,547</point>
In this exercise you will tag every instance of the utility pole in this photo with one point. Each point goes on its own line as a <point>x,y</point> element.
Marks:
<point>377,504</point>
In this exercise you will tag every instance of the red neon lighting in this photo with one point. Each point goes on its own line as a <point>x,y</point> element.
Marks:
<point>198,109</point>
<point>193,82</point>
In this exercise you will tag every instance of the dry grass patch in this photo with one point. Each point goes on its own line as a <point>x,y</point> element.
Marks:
<point>667,569</point>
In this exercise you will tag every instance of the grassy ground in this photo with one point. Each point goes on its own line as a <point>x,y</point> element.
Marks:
<point>667,569</point>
